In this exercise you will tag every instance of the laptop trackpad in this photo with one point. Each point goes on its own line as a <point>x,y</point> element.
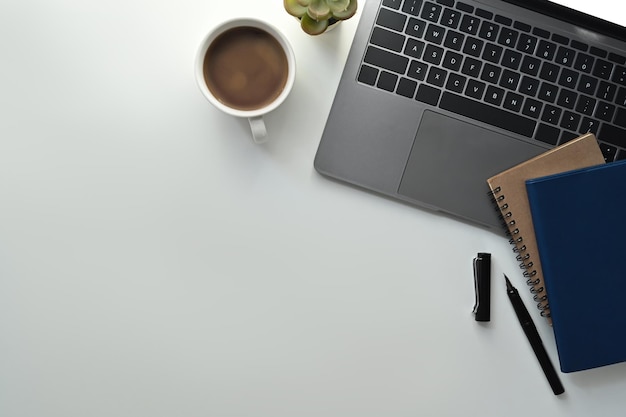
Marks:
<point>450,162</point>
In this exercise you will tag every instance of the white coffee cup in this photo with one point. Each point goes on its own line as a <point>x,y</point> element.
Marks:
<point>240,81</point>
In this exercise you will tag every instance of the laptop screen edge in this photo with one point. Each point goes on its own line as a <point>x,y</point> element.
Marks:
<point>572,16</point>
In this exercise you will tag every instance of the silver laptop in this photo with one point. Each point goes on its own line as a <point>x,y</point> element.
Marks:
<point>437,96</point>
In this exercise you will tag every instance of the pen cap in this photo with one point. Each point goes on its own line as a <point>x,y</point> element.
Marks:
<point>482,286</point>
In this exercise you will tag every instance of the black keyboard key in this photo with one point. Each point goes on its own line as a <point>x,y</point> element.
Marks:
<point>494,95</point>
<point>492,53</point>
<point>488,114</point>
<point>530,65</point>
<point>603,69</point>
<point>489,31</point>
<point>415,27</point>
<point>529,86</point>
<point>548,92</point>
<point>586,105</point>
<point>508,37</point>
<point>449,3</point>
<point>619,75</point>
<point>368,75</point>
<point>475,89</point>
<point>452,61</point>
<point>387,60</point>
<point>387,81</point>
<point>568,78</point>
<point>503,20</point>
<point>527,43</point>
<point>570,121</point>
<point>598,52</point>
<point>584,63</point>
<point>434,34</point>
<point>486,14</point>
<point>465,7</point>
<point>606,91</point>
<point>547,134</point>
<point>471,67</point>
<point>589,125</point>
<point>431,12</point>
<point>491,73</point>
<point>387,39</point>
<point>456,83</point>
<point>406,87</point>
<point>513,101</point>
<point>451,18</point>
<point>609,151</point>
<point>541,33</point>
<point>511,59</point>
<point>620,100</point>
<point>391,20</point>
<point>620,117</point>
<point>522,26</point>
<point>473,46</point>
<point>565,56</point>
<point>560,39</point>
<point>394,4</point>
<point>605,111</point>
<point>433,54</point>
<point>510,79</point>
<point>546,50</point>
<point>454,40</point>
<point>621,155</point>
<point>436,76</point>
<point>427,94</point>
<point>417,70</point>
<point>579,45</point>
<point>613,135</point>
<point>549,72</point>
<point>618,59</point>
<point>469,24</point>
<point>532,108</point>
<point>588,85</point>
<point>551,114</point>
<point>567,99</point>
<point>414,48</point>
<point>567,136</point>
<point>412,7</point>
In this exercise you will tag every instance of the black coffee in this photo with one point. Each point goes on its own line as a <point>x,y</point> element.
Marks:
<point>245,68</point>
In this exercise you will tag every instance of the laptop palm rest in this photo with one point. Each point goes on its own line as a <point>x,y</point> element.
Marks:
<point>465,155</point>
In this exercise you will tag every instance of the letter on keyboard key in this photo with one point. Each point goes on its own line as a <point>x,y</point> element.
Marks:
<point>488,114</point>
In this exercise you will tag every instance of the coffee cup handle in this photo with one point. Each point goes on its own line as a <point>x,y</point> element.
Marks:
<point>259,132</point>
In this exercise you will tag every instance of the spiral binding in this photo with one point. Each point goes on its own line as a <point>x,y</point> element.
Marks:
<point>516,239</point>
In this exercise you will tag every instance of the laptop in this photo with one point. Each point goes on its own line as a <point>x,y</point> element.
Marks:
<point>437,96</point>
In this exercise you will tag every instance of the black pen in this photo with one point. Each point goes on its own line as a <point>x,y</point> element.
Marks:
<point>533,337</point>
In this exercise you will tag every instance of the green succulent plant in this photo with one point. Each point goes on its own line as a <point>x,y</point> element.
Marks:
<point>316,15</point>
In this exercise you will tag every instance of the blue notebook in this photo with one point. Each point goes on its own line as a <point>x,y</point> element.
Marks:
<point>580,226</point>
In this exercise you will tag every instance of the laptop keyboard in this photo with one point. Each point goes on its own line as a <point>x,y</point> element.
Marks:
<point>499,71</point>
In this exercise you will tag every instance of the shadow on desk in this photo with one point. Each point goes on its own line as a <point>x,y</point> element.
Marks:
<point>599,378</point>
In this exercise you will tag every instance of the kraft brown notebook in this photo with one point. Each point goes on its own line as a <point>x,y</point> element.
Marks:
<point>508,190</point>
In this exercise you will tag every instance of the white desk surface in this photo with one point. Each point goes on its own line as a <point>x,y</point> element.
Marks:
<point>155,262</point>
